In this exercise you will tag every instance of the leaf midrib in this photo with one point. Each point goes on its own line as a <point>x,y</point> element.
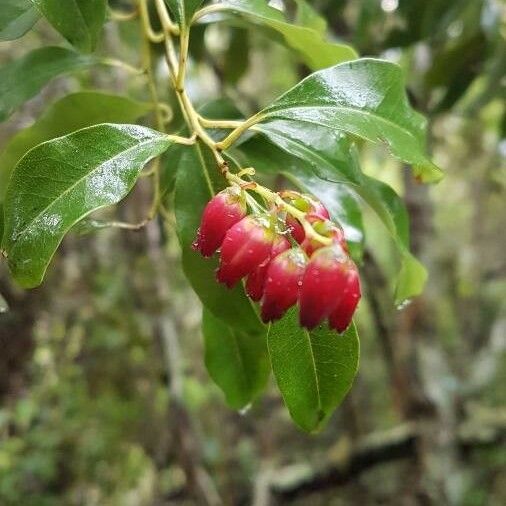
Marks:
<point>70,188</point>
<point>82,18</point>
<point>340,107</point>
<point>313,361</point>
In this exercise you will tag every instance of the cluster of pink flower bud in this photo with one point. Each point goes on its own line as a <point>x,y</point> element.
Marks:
<point>281,263</point>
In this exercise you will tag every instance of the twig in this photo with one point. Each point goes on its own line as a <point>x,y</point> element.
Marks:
<point>379,448</point>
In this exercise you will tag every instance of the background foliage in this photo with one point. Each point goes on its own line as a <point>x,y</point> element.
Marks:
<point>95,411</point>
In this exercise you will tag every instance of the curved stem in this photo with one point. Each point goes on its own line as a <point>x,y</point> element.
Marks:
<point>275,198</point>
<point>187,141</point>
<point>167,24</point>
<point>113,62</point>
<point>197,123</point>
<point>155,37</point>
<point>239,130</point>
<point>148,65</point>
<point>122,16</point>
<point>210,9</point>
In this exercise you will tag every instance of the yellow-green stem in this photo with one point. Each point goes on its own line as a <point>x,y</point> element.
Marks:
<point>167,24</point>
<point>274,198</point>
<point>197,123</point>
<point>209,123</point>
<point>148,65</point>
<point>210,9</point>
<point>152,36</point>
<point>113,62</point>
<point>184,40</point>
<point>116,15</point>
<point>239,130</point>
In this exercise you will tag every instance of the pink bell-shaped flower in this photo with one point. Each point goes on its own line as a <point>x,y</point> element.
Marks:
<point>256,279</point>
<point>283,283</point>
<point>342,315</point>
<point>222,212</point>
<point>245,246</point>
<point>323,284</point>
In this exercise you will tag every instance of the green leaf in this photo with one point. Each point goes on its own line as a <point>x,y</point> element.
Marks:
<point>332,157</point>
<point>314,370</point>
<point>197,180</point>
<point>308,43</point>
<point>411,279</point>
<point>68,114</point>
<point>23,78</point>
<point>16,18</point>
<point>237,362</point>
<point>61,181</point>
<point>79,21</point>
<point>365,98</point>
<point>236,59</point>
<point>183,10</point>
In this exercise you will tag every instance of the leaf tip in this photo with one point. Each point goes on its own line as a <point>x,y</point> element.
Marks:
<point>428,173</point>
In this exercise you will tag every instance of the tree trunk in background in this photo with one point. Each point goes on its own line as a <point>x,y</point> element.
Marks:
<point>430,403</point>
<point>16,339</point>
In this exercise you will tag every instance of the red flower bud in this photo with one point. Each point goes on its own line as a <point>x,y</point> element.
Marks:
<point>325,228</point>
<point>323,285</point>
<point>221,212</point>
<point>256,279</point>
<point>295,228</point>
<point>246,245</point>
<point>282,284</point>
<point>343,313</point>
<point>308,205</point>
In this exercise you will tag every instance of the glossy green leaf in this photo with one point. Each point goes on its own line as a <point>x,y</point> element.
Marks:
<point>198,179</point>
<point>24,77</point>
<point>61,181</point>
<point>68,114</point>
<point>16,18</point>
<point>308,43</point>
<point>365,98</point>
<point>183,10</point>
<point>313,370</point>
<point>79,21</point>
<point>169,162</point>
<point>237,361</point>
<point>333,159</point>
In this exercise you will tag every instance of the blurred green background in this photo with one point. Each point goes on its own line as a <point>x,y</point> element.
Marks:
<point>95,411</point>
